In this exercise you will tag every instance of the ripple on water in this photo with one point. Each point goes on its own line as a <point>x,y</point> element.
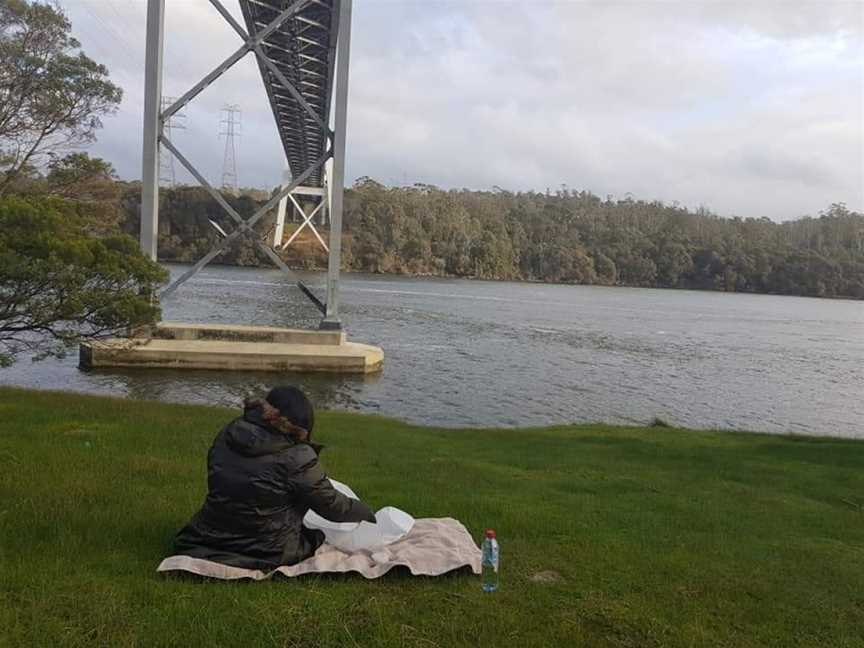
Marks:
<point>461,353</point>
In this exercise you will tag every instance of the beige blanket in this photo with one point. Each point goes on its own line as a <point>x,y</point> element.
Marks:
<point>434,546</point>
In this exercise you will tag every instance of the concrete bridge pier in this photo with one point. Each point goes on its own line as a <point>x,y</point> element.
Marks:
<point>307,93</point>
<point>175,345</point>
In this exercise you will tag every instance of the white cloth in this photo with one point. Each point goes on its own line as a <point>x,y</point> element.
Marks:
<point>391,524</point>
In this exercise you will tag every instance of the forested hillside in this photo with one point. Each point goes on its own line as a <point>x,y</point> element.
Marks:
<point>565,236</point>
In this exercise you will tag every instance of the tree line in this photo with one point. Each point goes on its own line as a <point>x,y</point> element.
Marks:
<point>576,237</point>
<point>563,236</point>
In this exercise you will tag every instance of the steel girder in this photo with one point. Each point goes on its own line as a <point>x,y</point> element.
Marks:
<point>296,62</point>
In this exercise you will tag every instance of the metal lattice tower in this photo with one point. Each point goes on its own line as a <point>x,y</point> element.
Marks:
<point>302,48</point>
<point>177,121</point>
<point>229,129</point>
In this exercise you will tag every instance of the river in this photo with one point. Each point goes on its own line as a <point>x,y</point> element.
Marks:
<point>477,353</point>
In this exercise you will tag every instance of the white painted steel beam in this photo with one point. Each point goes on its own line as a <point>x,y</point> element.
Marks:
<point>279,230</point>
<point>337,179</point>
<point>310,191</point>
<point>307,220</point>
<point>149,227</point>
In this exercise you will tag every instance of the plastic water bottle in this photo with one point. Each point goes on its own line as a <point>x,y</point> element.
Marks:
<point>489,561</point>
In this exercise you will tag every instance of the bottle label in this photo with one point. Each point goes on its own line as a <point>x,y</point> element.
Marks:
<point>490,556</point>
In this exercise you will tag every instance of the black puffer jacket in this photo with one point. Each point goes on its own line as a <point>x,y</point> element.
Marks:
<point>261,483</point>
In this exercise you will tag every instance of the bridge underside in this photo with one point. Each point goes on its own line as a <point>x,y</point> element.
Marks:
<point>301,51</point>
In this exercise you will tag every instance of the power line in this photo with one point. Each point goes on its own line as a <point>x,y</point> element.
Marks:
<point>107,29</point>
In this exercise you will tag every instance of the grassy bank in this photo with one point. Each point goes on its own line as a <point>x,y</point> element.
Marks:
<point>658,537</point>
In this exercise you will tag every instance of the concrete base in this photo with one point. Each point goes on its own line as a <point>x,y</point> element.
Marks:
<point>233,348</point>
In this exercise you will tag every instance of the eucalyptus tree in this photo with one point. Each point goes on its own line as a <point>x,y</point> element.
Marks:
<point>52,95</point>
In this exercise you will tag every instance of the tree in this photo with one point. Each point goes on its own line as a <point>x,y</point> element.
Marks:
<point>607,273</point>
<point>91,182</point>
<point>60,285</point>
<point>81,177</point>
<point>673,260</point>
<point>52,95</point>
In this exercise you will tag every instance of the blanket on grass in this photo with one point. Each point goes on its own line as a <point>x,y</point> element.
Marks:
<point>433,547</point>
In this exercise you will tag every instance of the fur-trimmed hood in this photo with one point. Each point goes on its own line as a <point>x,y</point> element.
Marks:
<point>260,409</point>
<point>269,433</point>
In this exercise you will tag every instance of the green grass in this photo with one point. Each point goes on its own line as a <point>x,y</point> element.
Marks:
<point>661,537</point>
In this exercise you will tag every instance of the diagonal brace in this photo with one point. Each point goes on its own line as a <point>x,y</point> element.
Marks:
<point>307,220</point>
<point>230,19</point>
<point>244,225</point>
<point>250,44</point>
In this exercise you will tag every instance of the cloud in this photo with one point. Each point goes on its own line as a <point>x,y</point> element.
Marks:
<point>755,108</point>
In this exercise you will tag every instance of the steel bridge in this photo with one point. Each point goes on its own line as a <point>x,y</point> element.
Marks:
<point>302,50</point>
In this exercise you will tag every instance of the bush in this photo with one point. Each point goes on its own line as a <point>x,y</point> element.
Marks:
<point>59,284</point>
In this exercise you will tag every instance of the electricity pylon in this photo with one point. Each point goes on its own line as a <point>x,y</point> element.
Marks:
<point>177,121</point>
<point>230,128</point>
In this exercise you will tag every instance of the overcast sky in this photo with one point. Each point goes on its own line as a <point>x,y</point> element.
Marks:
<point>751,108</point>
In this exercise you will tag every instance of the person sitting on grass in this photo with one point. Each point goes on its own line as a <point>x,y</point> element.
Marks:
<point>263,476</point>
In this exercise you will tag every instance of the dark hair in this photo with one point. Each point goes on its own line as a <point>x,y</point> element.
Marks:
<point>293,405</point>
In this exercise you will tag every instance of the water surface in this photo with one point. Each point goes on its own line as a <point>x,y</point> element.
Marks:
<point>476,353</point>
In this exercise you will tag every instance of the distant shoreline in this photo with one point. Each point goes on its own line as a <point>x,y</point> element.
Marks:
<point>524,281</point>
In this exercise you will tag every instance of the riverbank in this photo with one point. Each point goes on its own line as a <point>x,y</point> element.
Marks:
<point>610,536</point>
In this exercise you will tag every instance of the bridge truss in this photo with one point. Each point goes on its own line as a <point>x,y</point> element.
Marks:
<point>302,49</point>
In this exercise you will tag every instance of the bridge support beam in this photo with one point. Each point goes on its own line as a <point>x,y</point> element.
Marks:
<point>336,184</point>
<point>327,170</point>
<point>152,128</point>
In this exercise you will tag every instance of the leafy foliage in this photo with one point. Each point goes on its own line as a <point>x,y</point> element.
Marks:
<point>60,284</point>
<point>91,184</point>
<point>575,237</point>
<point>52,95</point>
<point>79,176</point>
